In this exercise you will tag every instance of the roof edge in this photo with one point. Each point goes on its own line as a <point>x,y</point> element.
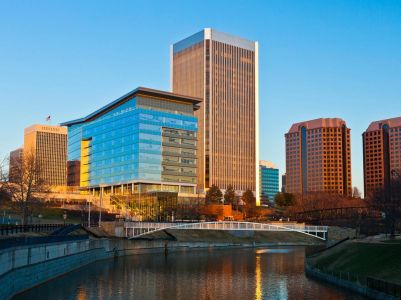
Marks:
<point>138,91</point>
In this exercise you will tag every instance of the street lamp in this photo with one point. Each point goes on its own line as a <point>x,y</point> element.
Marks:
<point>65,216</point>
<point>101,187</point>
<point>89,212</point>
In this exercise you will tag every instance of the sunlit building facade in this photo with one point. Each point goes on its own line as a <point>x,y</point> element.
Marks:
<point>222,70</point>
<point>318,157</point>
<point>269,182</point>
<point>49,145</point>
<point>144,141</point>
<point>381,153</point>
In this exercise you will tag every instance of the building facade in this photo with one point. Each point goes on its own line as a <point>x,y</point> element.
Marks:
<point>381,153</point>
<point>49,145</point>
<point>144,141</point>
<point>14,165</point>
<point>222,70</point>
<point>284,183</point>
<point>269,182</point>
<point>318,157</point>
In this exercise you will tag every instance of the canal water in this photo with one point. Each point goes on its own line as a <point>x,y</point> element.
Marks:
<point>268,273</point>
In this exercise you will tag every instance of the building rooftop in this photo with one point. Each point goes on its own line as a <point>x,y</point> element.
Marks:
<point>267,164</point>
<point>46,128</point>
<point>140,91</point>
<point>212,34</point>
<point>391,123</point>
<point>318,123</point>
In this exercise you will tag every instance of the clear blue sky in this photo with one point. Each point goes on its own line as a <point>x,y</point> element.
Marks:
<point>317,59</point>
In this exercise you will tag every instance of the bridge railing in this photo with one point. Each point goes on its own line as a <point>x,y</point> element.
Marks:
<point>226,225</point>
<point>143,228</point>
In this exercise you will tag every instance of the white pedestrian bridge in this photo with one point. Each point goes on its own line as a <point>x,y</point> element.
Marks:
<point>141,229</point>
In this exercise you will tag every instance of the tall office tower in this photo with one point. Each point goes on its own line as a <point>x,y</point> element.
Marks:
<point>222,70</point>
<point>14,165</point>
<point>318,157</point>
<point>381,153</point>
<point>49,145</point>
<point>269,182</point>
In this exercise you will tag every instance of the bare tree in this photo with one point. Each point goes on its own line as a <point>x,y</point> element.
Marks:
<point>356,193</point>
<point>387,200</point>
<point>27,185</point>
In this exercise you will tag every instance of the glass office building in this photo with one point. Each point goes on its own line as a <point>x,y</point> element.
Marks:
<point>146,140</point>
<point>269,182</point>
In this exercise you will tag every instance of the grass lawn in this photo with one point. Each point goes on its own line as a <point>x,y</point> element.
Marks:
<point>379,260</point>
<point>49,214</point>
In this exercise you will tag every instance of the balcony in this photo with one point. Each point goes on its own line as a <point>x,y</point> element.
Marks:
<point>179,164</point>
<point>186,146</point>
<point>181,136</point>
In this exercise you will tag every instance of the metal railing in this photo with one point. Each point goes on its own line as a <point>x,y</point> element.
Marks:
<point>383,286</point>
<point>13,229</point>
<point>380,285</point>
<point>27,241</point>
<point>138,229</point>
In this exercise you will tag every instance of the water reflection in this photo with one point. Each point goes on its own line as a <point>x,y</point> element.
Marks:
<point>216,274</point>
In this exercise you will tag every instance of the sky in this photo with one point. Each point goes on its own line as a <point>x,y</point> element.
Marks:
<point>316,59</point>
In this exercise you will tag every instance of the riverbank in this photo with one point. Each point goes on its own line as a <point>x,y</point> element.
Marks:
<point>367,267</point>
<point>223,273</point>
<point>29,265</point>
<point>24,267</point>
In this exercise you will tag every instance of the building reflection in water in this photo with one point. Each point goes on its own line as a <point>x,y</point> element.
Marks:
<point>217,274</point>
<point>258,279</point>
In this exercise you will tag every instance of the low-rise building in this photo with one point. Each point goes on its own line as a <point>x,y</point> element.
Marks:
<point>269,182</point>
<point>15,165</point>
<point>48,144</point>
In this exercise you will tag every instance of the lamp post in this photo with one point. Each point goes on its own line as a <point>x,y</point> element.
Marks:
<point>101,204</point>
<point>89,212</point>
<point>64,216</point>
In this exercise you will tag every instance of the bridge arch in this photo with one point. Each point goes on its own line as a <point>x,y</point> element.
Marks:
<point>140,229</point>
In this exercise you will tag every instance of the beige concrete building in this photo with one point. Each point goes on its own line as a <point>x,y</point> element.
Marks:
<point>222,70</point>
<point>318,157</point>
<point>49,145</point>
<point>381,153</point>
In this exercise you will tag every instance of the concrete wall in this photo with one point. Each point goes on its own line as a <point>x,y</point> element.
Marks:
<point>24,267</point>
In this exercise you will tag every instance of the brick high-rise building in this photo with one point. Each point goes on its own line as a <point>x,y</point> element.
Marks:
<point>381,153</point>
<point>49,145</point>
<point>222,70</point>
<point>318,157</point>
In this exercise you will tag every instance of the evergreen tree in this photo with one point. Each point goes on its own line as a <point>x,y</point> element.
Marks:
<point>214,195</point>
<point>249,198</point>
<point>229,195</point>
<point>284,199</point>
